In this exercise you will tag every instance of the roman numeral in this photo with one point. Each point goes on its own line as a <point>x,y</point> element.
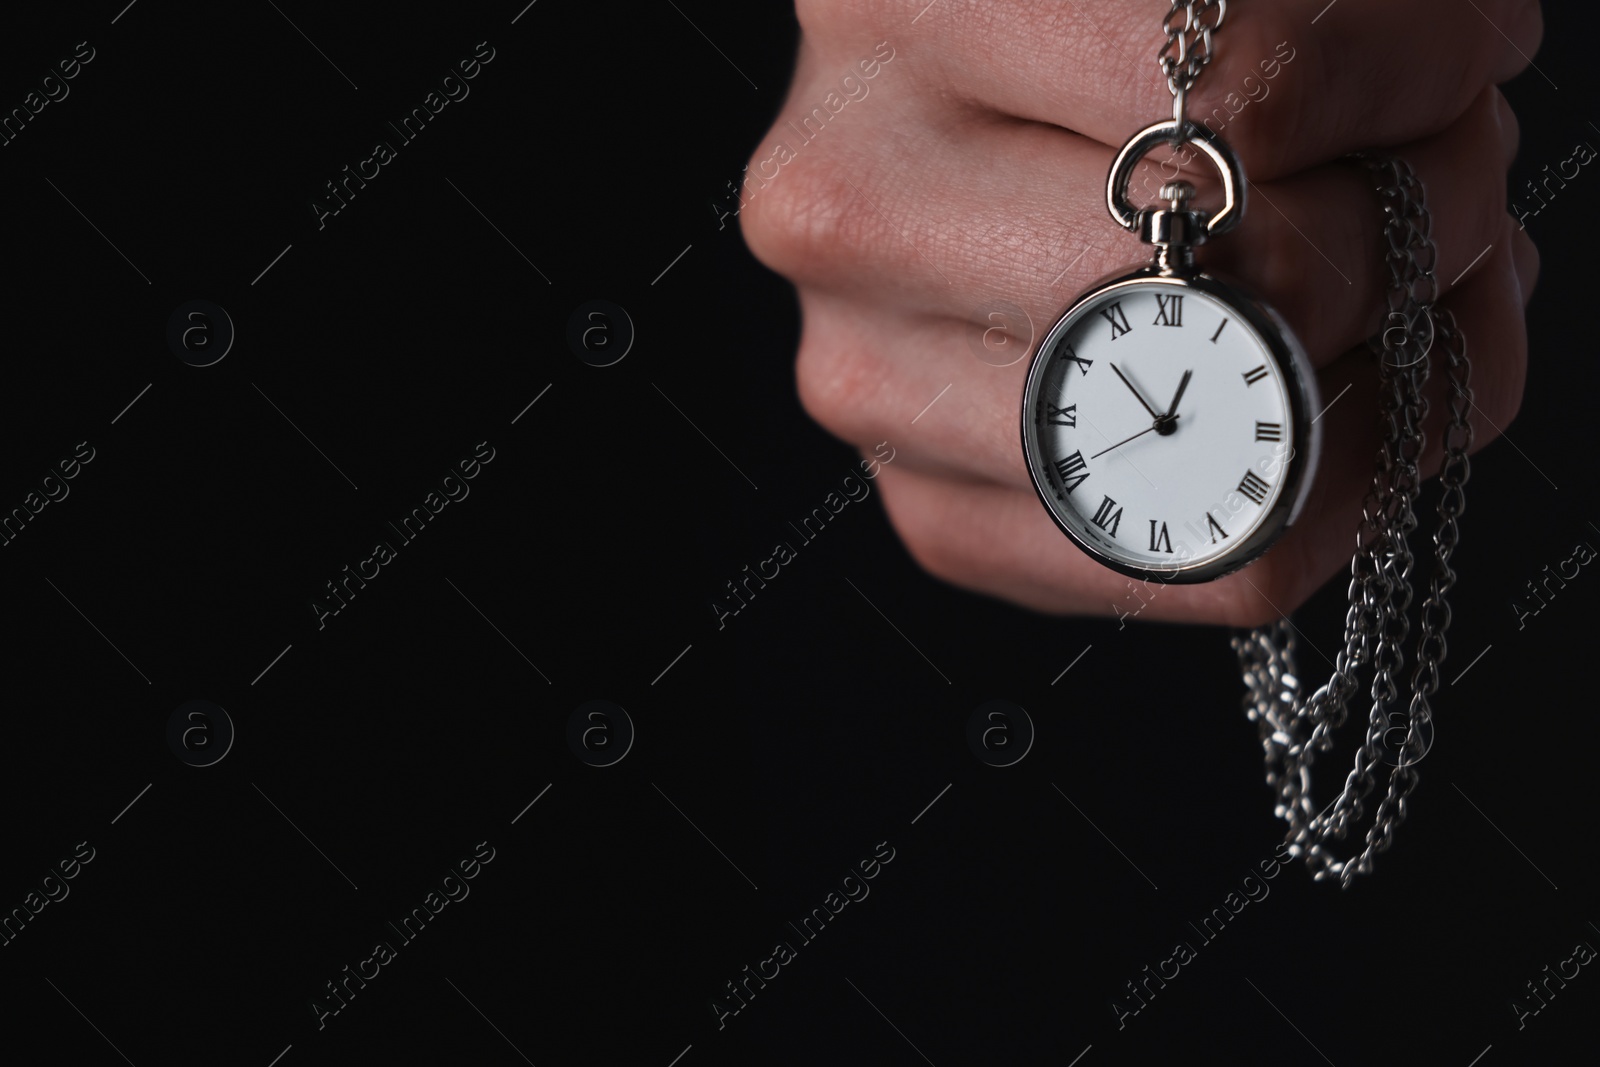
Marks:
<point>1253,487</point>
<point>1068,416</point>
<point>1169,310</point>
<point>1211,524</point>
<point>1083,364</point>
<point>1157,539</point>
<point>1069,468</point>
<point>1106,519</point>
<point>1269,431</point>
<point>1118,321</point>
<point>1219,331</point>
<point>1251,377</point>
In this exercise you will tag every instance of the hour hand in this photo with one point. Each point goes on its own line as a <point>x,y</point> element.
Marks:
<point>1182,385</point>
<point>1154,414</point>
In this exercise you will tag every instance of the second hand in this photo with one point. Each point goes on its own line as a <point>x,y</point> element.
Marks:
<point>1119,444</point>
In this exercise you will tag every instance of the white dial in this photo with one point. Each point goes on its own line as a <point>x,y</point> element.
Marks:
<point>1161,429</point>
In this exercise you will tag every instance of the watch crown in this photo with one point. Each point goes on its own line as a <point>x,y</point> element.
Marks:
<point>1177,193</point>
<point>1174,228</point>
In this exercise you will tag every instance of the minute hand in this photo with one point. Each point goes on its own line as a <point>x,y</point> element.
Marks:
<point>1154,414</point>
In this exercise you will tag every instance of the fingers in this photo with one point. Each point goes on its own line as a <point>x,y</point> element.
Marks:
<point>1489,314</point>
<point>998,540</point>
<point>861,371</point>
<point>1358,73</point>
<point>962,186</point>
<point>1523,31</point>
<point>1016,213</point>
<point>888,315</point>
<point>1525,259</point>
<point>994,540</point>
<point>1317,253</point>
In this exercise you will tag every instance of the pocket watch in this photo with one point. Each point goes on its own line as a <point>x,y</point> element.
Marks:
<point>1167,418</point>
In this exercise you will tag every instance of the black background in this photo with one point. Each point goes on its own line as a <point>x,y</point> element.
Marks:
<point>772,755</point>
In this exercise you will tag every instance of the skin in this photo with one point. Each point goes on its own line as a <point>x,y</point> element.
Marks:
<point>974,173</point>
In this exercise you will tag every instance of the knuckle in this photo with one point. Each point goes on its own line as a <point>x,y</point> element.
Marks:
<point>1501,396</point>
<point>801,218</point>
<point>1508,370</point>
<point>1254,96</point>
<point>836,380</point>
<point>1282,259</point>
<point>831,17</point>
<point>1508,125</point>
<point>925,536</point>
<point>1528,263</point>
<point>928,546</point>
<point>1510,404</point>
<point>1489,206</point>
<point>814,16</point>
<point>1498,378</point>
<point>1495,405</point>
<point>1534,15</point>
<point>1491,188</point>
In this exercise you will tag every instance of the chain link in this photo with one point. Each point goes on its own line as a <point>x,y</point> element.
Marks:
<point>1189,25</point>
<point>1294,727</point>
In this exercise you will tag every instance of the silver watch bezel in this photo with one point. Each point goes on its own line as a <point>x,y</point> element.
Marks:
<point>1300,381</point>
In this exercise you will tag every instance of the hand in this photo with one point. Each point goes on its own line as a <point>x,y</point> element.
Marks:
<point>970,170</point>
<point>1172,412</point>
<point>1154,414</point>
<point>1159,420</point>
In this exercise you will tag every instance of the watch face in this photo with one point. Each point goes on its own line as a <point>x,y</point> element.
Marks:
<point>1163,427</point>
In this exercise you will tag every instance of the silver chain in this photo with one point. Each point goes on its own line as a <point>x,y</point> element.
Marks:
<point>1293,727</point>
<point>1189,25</point>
